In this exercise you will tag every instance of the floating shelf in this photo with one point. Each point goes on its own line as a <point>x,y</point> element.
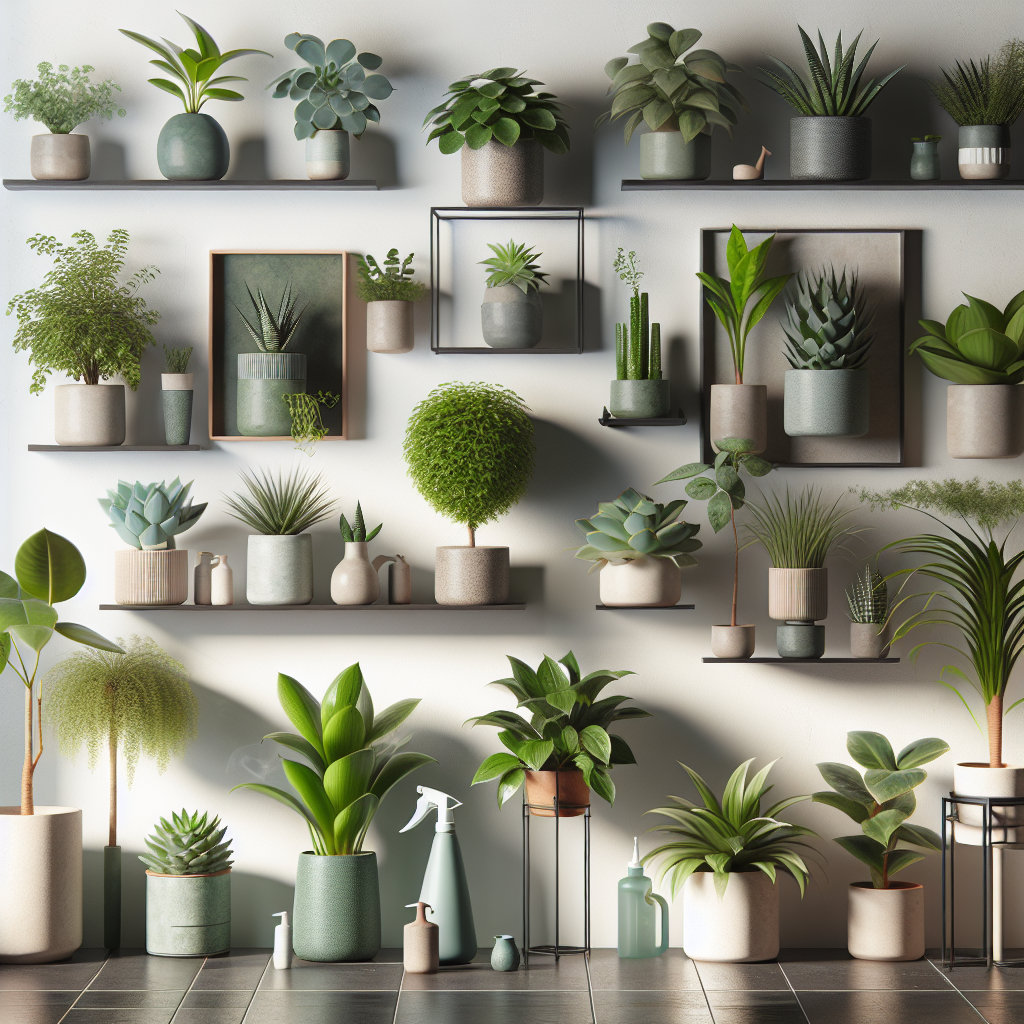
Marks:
<point>608,420</point>
<point>784,185</point>
<point>163,185</point>
<point>116,448</point>
<point>312,607</point>
<point>645,607</point>
<point>802,661</point>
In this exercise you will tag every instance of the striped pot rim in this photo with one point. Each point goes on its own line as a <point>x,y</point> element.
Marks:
<point>271,366</point>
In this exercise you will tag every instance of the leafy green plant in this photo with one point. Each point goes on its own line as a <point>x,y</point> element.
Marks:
<point>334,90</point>
<point>979,344</point>
<point>307,420</point>
<point>193,68</point>
<point>881,801</point>
<point>729,299</point>
<point>828,324</point>
<point>272,333</point>
<point>567,730</point>
<point>868,598</point>
<point>64,99</point>
<point>469,449</point>
<point>352,766</point>
<point>149,516</point>
<point>355,533</point>
<point>514,264</point>
<point>177,358</point>
<point>280,506</point>
<point>505,107</point>
<point>393,281</point>
<point>799,533</point>
<point>732,834</point>
<point>188,845</point>
<point>83,321</point>
<point>926,138</point>
<point>671,88</point>
<point>632,526</point>
<point>638,344</point>
<point>985,93</point>
<point>48,569</point>
<point>831,89</point>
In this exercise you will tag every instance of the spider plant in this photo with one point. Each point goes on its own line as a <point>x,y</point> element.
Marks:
<point>798,533</point>
<point>985,93</point>
<point>281,505</point>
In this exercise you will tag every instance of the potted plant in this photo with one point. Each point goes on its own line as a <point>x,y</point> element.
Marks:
<point>985,100</point>
<point>726,859</point>
<point>334,94</point>
<point>176,388</point>
<point>512,314</point>
<point>469,449</point>
<point>389,293</point>
<point>354,580</point>
<point>89,341</point>
<point>137,702</point>
<point>868,598</point>
<point>681,96</point>
<point>830,139</point>
<point>885,918</point>
<point>352,766</point>
<point>638,389</point>
<point>924,164</point>
<point>828,342</point>
<point>566,749</point>
<point>192,146</point>
<point>724,492</point>
<point>188,887</point>
<point>798,534</point>
<point>639,547</point>
<point>279,558</point>
<point>40,900</point>
<point>62,100</point>
<point>152,570</point>
<point>738,409</point>
<point>499,122</point>
<point>981,350</point>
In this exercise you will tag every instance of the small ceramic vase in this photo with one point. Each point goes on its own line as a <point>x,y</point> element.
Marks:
<point>505,955</point>
<point>751,172</point>
<point>222,582</point>
<point>201,578</point>
<point>420,943</point>
<point>924,164</point>
<point>354,580</point>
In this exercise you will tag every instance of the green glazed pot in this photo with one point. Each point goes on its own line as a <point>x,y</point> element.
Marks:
<point>193,147</point>
<point>665,154</point>
<point>264,378</point>
<point>337,908</point>
<point>177,416</point>
<point>188,915</point>
<point>639,399</point>
<point>800,640</point>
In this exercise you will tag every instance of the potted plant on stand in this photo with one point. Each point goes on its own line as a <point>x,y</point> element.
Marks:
<point>469,449</point>
<point>868,598</point>
<point>389,293</point>
<point>89,341</point>
<point>176,389</point>
<point>354,580</point>
<point>886,918</point>
<point>351,768</point>
<point>512,314</point>
<point>41,893</point>
<point>726,861</point>
<point>565,749</point>
<point>62,100</point>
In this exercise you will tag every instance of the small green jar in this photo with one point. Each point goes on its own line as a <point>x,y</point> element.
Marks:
<point>188,915</point>
<point>192,147</point>
<point>924,164</point>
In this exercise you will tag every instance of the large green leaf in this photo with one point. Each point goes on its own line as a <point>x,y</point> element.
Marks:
<point>351,824</point>
<point>348,779</point>
<point>36,637</point>
<point>309,786</point>
<point>495,766</point>
<point>596,742</point>
<point>280,795</point>
<point>344,734</point>
<point>9,587</point>
<point>988,348</point>
<point>5,649</point>
<point>919,836</point>
<point>391,718</point>
<point>300,746</point>
<point>397,767</point>
<point>507,720</point>
<point>920,752</point>
<point>302,709</point>
<point>853,808</point>
<point>564,700</point>
<point>343,692</point>
<point>601,783</point>
<point>536,752</point>
<point>845,780</point>
<point>871,749</point>
<point>551,676</point>
<point>509,784</point>
<point>885,785</point>
<point>49,567</point>
<point>87,636</point>
<point>865,849</point>
<point>900,859</point>
<point>882,825</point>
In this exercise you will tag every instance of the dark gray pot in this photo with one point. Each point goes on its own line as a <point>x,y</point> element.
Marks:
<point>177,416</point>
<point>800,640</point>
<point>639,399</point>
<point>826,403</point>
<point>510,318</point>
<point>188,915</point>
<point>830,148</point>
<point>192,147</point>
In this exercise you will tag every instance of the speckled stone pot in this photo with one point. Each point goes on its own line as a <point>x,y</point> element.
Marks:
<point>732,641</point>
<point>389,326</point>
<point>192,147</point>
<point>88,414</point>
<point>826,403</point>
<point>177,407</point>
<point>60,157</point>
<point>327,156</point>
<point>511,318</point>
<point>500,175</point>
<point>188,915</point>
<point>465,575</point>
<point>741,927</point>
<point>279,569</point>
<point>151,577</point>
<point>984,421</point>
<point>640,399</point>
<point>505,954</point>
<point>866,641</point>
<point>800,640</point>
<point>666,155</point>
<point>830,148</point>
<point>885,924</point>
<point>740,410</point>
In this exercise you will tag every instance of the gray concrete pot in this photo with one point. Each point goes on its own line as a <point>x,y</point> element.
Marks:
<point>797,595</point>
<point>500,175</point>
<point>826,403</point>
<point>279,569</point>
<point>193,147</point>
<point>88,414</point>
<point>640,399</point>
<point>741,927</point>
<point>984,151</point>
<point>511,318</point>
<point>151,577</point>
<point>984,421</point>
<point>642,582</point>
<point>868,640</point>
<point>188,915</point>
<point>389,326</point>
<point>264,378</point>
<point>800,640</point>
<point>830,148</point>
<point>60,157</point>
<point>740,410</point>
<point>732,641</point>
<point>327,156</point>
<point>885,924</point>
<point>465,575</point>
<point>666,155</point>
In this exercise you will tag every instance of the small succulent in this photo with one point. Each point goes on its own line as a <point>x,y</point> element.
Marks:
<point>514,264</point>
<point>272,334</point>
<point>632,526</point>
<point>392,281</point>
<point>177,358</point>
<point>334,90</point>
<point>356,532</point>
<point>926,138</point>
<point>188,845</point>
<point>868,598</point>
<point>829,324</point>
<point>149,516</point>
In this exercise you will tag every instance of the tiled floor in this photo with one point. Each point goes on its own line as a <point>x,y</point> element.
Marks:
<point>815,986</point>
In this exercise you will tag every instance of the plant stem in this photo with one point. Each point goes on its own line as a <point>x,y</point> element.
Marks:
<point>654,363</point>
<point>994,713</point>
<point>28,767</point>
<point>634,358</point>
<point>736,563</point>
<point>472,536</point>
<point>112,747</point>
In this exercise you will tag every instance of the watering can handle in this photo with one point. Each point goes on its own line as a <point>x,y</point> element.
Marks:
<point>664,922</point>
<point>381,560</point>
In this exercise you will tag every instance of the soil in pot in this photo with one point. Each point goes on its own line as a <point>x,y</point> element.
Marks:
<point>665,154</point>
<point>643,582</point>
<point>573,793</point>
<point>60,157</point>
<point>511,318</point>
<point>732,641</point>
<point>742,927</point>
<point>88,414</point>
<point>886,924</point>
<point>279,569</point>
<point>151,577</point>
<point>192,147</point>
<point>826,403</point>
<point>984,421</point>
<point>740,410</point>
<point>188,915</point>
<point>327,155</point>
<point>640,399</point>
<point>500,175</point>
<point>389,326</point>
<point>471,575</point>
<point>830,148</point>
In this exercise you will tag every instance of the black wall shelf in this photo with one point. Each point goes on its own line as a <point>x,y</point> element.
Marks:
<point>163,185</point>
<point>801,661</point>
<point>608,420</point>
<point>645,607</point>
<point>312,607</point>
<point>116,448</point>
<point>784,185</point>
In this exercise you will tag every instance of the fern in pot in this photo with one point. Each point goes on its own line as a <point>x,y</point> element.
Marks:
<point>389,292</point>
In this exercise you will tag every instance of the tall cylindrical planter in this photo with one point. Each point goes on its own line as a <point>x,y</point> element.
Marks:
<point>465,575</point>
<point>511,318</point>
<point>826,403</point>
<point>984,421</point>
<point>885,924</point>
<point>740,410</point>
<point>500,175</point>
<point>264,378</point>
<point>389,326</point>
<point>868,640</point>
<point>279,569</point>
<point>729,641</point>
<point>570,787</point>
<point>798,595</point>
<point>337,908</point>
<point>151,577</point>
<point>643,582</point>
<point>327,156</point>
<point>665,154</point>
<point>40,884</point>
<point>176,390</point>
<point>640,399</point>
<point>60,157</point>
<point>192,147</point>
<point>742,927</point>
<point>984,151</point>
<point>974,778</point>
<point>88,414</point>
<point>188,915</point>
<point>830,148</point>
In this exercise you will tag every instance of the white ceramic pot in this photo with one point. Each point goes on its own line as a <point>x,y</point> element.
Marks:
<point>740,410</point>
<point>389,326</point>
<point>984,421</point>
<point>88,414</point>
<point>500,175</point>
<point>355,580</point>
<point>151,577</point>
<point>742,927</point>
<point>868,641</point>
<point>60,157</point>
<point>40,884</point>
<point>798,595</point>
<point>644,582</point>
<point>327,155</point>
<point>732,641</point>
<point>465,575</point>
<point>886,924</point>
<point>279,569</point>
<point>974,778</point>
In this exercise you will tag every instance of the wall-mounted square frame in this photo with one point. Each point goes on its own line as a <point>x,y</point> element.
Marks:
<point>884,258</point>
<point>457,243</point>
<point>323,281</point>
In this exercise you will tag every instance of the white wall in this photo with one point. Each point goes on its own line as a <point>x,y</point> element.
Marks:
<point>711,717</point>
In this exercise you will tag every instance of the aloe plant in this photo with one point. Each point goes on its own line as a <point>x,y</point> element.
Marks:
<point>828,325</point>
<point>356,532</point>
<point>868,598</point>
<point>149,516</point>
<point>272,333</point>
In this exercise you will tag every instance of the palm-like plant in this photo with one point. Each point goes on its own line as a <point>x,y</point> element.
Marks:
<point>276,506</point>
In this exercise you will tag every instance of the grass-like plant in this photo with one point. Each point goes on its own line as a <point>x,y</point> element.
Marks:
<point>278,505</point>
<point>515,264</point>
<point>390,282</point>
<point>62,99</point>
<point>307,420</point>
<point>469,449</point>
<point>177,358</point>
<point>868,598</point>
<point>989,92</point>
<point>83,321</point>
<point>638,343</point>
<point>271,332</point>
<point>356,532</point>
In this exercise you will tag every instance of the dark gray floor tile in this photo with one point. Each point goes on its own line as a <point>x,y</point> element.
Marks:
<point>92,999</point>
<point>671,970</point>
<point>750,977</point>
<point>43,1014</point>
<point>887,1008</point>
<point>322,1008</point>
<point>75,973</point>
<point>217,998</point>
<point>237,978</point>
<point>490,1007</point>
<point>243,957</point>
<point>304,974</point>
<point>849,975</point>
<point>137,970</point>
<point>544,974</point>
<point>651,1007</point>
<point>210,1015</point>
<point>998,1007</point>
<point>61,997</point>
<point>755,1007</point>
<point>981,979</point>
<point>126,1016</point>
<point>393,955</point>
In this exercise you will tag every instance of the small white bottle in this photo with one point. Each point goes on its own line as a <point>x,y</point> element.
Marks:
<point>222,582</point>
<point>282,943</point>
<point>201,577</point>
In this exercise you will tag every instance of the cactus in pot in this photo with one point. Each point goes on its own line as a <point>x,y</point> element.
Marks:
<point>512,315</point>
<point>868,599</point>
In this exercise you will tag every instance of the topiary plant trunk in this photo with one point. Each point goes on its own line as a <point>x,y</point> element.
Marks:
<point>112,858</point>
<point>994,713</point>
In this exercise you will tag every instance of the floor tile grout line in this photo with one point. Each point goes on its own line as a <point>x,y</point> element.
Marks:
<point>266,967</point>
<point>703,991</point>
<point>958,992</point>
<point>398,995</point>
<point>184,995</point>
<point>85,987</point>
<point>795,996</point>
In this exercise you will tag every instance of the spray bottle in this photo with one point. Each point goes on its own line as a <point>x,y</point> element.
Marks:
<point>444,882</point>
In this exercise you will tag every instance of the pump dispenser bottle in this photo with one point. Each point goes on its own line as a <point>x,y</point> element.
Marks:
<point>637,933</point>
<point>282,943</point>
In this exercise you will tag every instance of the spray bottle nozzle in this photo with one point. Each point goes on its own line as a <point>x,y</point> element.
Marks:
<point>284,917</point>
<point>434,799</point>
<point>635,862</point>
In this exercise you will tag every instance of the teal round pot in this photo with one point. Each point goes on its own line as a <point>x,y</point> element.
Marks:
<point>924,163</point>
<point>192,147</point>
<point>264,378</point>
<point>511,318</point>
<point>826,403</point>
<point>639,399</point>
<point>800,640</point>
<point>188,915</point>
<point>336,916</point>
<point>505,955</point>
<point>668,155</point>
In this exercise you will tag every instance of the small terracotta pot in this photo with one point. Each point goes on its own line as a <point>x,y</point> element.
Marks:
<point>798,595</point>
<point>886,924</point>
<point>868,640</point>
<point>740,410</point>
<point>732,641</point>
<point>573,794</point>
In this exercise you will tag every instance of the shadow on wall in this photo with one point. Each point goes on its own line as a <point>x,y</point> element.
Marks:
<point>109,161</point>
<point>569,179</point>
<point>567,466</point>
<point>249,160</point>
<point>374,159</point>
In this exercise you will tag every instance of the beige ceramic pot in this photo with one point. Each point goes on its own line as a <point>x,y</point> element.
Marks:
<point>389,326</point>
<point>327,155</point>
<point>886,924</point>
<point>151,577</point>
<point>88,414</point>
<point>465,575</point>
<point>355,579</point>
<point>974,778</point>
<point>573,794</point>
<point>732,641</point>
<point>500,175</point>
<point>984,421</point>
<point>740,410</point>
<point>798,595</point>
<point>643,582</point>
<point>742,927</point>
<point>866,641</point>
<point>60,157</point>
<point>40,884</point>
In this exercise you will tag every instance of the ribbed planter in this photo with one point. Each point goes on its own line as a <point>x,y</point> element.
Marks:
<point>924,163</point>
<point>279,569</point>
<point>798,595</point>
<point>188,915</point>
<point>337,908</point>
<point>868,640</point>
<point>984,421</point>
<point>327,156</point>
<point>974,778</point>
<point>666,155</point>
<point>830,148</point>
<point>740,410</point>
<point>60,157</point>
<point>192,147</point>
<point>572,790</point>
<point>885,924</point>
<point>151,577</point>
<point>826,403</point>
<point>742,927</point>
<point>800,640</point>
<point>465,575</point>
<point>88,414</point>
<point>176,390</point>
<point>511,318</point>
<point>500,175</point>
<point>984,151</point>
<point>389,326</point>
<point>264,378</point>
<point>354,580</point>
<point>643,582</point>
<point>732,641</point>
<point>640,399</point>
<point>40,884</point>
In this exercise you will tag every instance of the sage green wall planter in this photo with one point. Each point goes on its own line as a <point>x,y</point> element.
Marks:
<point>667,155</point>
<point>337,908</point>
<point>192,147</point>
<point>264,378</point>
<point>510,318</point>
<point>827,403</point>
<point>177,416</point>
<point>639,399</point>
<point>188,915</point>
